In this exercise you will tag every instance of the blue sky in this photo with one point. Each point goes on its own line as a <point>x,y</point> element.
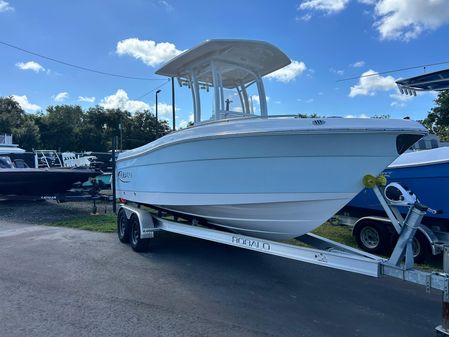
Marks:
<point>328,40</point>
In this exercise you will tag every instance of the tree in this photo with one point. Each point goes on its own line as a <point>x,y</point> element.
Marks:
<point>437,121</point>
<point>70,128</point>
<point>27,134</point>
<point>11,114</point>
<point>144,128</point>
<point>314,115</point>
<point>381,116</point>
<point>60,127</point>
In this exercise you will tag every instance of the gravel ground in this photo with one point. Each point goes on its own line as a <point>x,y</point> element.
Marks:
<point>45,212</point>
<point>62,282</point>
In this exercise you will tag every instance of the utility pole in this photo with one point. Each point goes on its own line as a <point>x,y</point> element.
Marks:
<point>157,118</point>
<point>157,92</point>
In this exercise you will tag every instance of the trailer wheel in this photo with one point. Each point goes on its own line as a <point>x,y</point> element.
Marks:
<point>137,243</point>
<point>123,227</point>
<point>372,237</point>
<point>421,248</point>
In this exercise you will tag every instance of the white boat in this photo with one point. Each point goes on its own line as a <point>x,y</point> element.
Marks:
<point>7,146</point>
<point>255,174</point>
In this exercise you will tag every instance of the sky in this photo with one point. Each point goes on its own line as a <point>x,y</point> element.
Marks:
<point>327,41</point>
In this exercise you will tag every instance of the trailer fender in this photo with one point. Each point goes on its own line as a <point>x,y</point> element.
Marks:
<point>431,238</point>
<point>146,222</point>
<point>423,229</point>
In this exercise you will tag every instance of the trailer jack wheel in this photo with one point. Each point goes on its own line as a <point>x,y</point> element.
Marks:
<point>137,243</point>
<point>123,227</point>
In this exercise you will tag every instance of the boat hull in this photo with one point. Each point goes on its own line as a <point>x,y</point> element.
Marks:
<point>40,182</point>
<point>275,185</point>
<point>273,220</point>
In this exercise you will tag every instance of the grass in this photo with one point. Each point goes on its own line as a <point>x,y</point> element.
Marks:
<point>343,234</point>
<point>104,223</point>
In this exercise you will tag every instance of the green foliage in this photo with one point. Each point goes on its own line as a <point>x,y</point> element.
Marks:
<point>11,114</point>
<point>314,115</point>
<point>60,127</point>
<point>27,135</point>
<point>70,128</point>
<point>381,116</point>
<point>437,121</point>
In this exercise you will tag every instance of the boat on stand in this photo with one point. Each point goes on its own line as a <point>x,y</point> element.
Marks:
<point>272,177</point>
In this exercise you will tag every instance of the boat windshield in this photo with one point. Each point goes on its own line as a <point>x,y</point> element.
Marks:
<point>5,162</point>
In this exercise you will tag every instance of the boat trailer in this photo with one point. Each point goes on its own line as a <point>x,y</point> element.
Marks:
<point>138,225</point>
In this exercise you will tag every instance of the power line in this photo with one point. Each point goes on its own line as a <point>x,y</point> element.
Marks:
<point>152,90</point>
<point>79,67</point>
<point>394,71</point>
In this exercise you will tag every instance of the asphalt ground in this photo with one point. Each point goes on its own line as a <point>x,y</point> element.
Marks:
<point>64,282</point>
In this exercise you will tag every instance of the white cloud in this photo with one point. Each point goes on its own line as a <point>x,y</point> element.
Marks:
<point>339,72</point>
<point>25,104</point>
<point>406,20</point>
<point>399,100</point>
<point>31,65</point>
<point>289,72</point>
<point>369,84</point>
<point>256,99</point>
<point>183,123</point>
<point>61,97</point>
<point>5,6</point>
<point>357,116</point>
<point>120,100</point>
<point>168,7</point>
<point>305,17</point>
<point>394,19</point>
<point>149,52</point>
<point>163,109</point>
<point>86,99</point>
<point>358,64</point>
<point>328,6</point>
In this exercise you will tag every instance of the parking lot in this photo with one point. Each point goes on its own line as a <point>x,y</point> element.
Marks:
<point>65,282</point>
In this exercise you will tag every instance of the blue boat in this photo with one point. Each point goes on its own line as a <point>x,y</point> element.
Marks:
<point>425,172</point>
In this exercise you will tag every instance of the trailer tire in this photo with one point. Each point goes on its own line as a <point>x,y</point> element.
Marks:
<point>372,236</point>
<point>123,229</point>
<point>137,243</point>
<point>421,248</point>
